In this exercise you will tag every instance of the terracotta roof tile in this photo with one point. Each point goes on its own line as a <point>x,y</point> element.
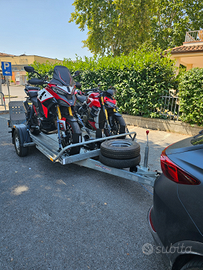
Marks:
<point>5,55</point>
<point>185,49</point>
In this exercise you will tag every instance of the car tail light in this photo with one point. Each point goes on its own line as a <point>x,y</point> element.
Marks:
<point>175,173</point>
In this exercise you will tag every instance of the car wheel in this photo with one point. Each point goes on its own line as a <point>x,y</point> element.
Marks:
<point>120,163</point>
<point>120,149</point>
<point>20,150</point>
<point>196,264</point>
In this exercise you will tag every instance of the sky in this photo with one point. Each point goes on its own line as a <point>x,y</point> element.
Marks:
<point>40,27</point>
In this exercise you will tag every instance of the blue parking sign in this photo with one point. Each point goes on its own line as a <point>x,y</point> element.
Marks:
<point>6,68</point>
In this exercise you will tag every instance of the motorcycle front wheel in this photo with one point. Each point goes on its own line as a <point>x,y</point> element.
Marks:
<point>117,125</point>
<point>34,125</point>
<point>73,135</point>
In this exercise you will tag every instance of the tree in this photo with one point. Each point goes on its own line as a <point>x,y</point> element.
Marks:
<point>114,26</point>
<point>173,18</point>
<point>120,26</point>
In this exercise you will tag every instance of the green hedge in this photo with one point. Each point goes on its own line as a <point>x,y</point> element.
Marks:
<point>191,96</point>
<point>140,78</point>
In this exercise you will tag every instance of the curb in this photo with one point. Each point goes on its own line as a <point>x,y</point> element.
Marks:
<point>161,124</point>
<point>4,112</point>
<point>156,124</point>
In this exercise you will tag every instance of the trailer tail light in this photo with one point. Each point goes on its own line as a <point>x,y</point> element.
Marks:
<point>175,173</point>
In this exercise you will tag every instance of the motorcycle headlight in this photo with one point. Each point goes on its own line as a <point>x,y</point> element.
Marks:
<point>110,104</point>
<point>72,89</point>
<point>59,91</point>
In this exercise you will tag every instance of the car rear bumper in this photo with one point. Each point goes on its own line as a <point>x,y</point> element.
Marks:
<point>159,246</point>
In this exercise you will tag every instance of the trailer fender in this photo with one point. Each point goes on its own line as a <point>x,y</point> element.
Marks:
<point>22,132</point>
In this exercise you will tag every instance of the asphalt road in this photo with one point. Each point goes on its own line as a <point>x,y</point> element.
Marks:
<point>70,217</point>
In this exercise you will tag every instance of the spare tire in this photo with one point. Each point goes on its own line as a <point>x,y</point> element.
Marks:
<point>120,149</point>
<point>120,163</point>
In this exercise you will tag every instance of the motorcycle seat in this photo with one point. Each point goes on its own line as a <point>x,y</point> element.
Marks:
<point>81,98</point>
<point>32,94</point>
<point>31,91</point>
<point>29,88</point>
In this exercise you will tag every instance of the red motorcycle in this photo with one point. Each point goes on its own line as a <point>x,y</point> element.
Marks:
<point>50,109</point>
<point>97,110</point>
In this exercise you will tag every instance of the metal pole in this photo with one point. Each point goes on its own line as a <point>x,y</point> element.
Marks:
<point>146,151</point>
<point>1,90</point>
<point>7,81</point>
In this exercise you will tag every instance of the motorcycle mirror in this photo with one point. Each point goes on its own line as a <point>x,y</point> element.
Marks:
<point>78,85</point>
<point>77,73</point>
<point>29,69</point>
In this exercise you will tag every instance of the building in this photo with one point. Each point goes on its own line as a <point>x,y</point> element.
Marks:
<point>190,54</point>
<point>18,63</point>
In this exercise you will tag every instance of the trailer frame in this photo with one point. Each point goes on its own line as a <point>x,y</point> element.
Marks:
<point>47,144</point>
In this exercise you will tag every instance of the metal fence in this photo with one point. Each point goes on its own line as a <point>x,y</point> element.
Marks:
<point>2,100</point>
<point>170,105</point>
<point>192,36</point>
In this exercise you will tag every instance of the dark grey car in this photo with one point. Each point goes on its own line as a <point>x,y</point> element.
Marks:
<point>176,217</point>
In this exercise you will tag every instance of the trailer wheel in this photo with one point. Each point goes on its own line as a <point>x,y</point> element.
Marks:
<point>120,163</point>
<point>20,150</point>
<point>120,149</point>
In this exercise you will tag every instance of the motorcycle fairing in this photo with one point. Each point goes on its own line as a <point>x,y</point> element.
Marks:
<point>66,96</point>
<point>46,99</point>
<point>70,100</point>
<point>111,103</point>
<point>44,95</point>
<point>94,95</point>
<point>92,124</point>
<point>45,110</point>
<point>93,102</point>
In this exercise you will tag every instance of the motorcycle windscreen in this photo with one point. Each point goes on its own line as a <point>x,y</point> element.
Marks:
<point>62,76</point>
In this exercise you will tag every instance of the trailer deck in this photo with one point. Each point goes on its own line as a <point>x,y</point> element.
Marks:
<point>48,145</point>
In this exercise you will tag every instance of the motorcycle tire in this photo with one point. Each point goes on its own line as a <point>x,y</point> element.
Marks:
<point>34,121</point>
<point>120,163</point>
<point>118,127</point>
<point>74,130</point>
<point>120,149</point>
